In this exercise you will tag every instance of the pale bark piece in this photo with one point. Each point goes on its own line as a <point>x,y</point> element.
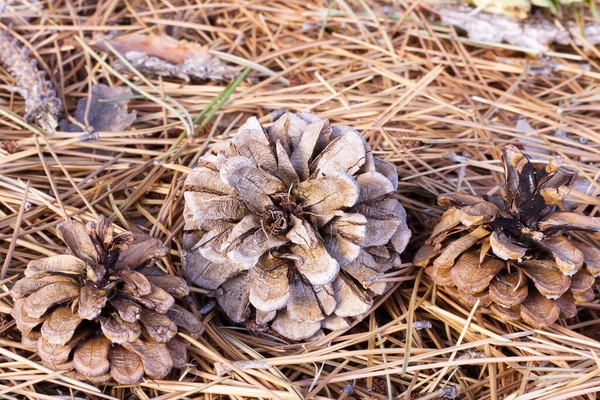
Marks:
<point>304,304</point>
<point>315,264</point>
<point>63,263</point>
<point>77,239</point>
<point>504,248</point>
<point>204,179</point>
<point>269,285</point>
<point>252,143</point>
<point>334,323</point>
<point>507,291</point>
<point>186,320</point>
<point>345,153</point>
<point>143,249</point>
<point>125,366</point>
<point>156,358</point>
<point>25,323</point>
<point>91,302</point>
<point>157,327</point>
<point>174,285</point>
<point>591,257</point>
<point>60,326</point>
<point>204,210</point>
<point>303,151</point>
<point>440,276</point>
<point>351,300</point>
<point>512,314</point>
<point>128,310</point>
<point>47,297</point>
<point>567,306</point>
<point>471,277</point>
<point>327,194</point>
<point>235,300</point>
<point>136,282</point>
<point>346,233</point>
<point>569,221</point>
<point>119,331</point>
<point>581,282</point>
<point>548,279</point>
<point>26,286</point>
<point>458,200</point>
<point>91,357</point>
<point>539,311</point>
<point>178,350</point>
<point>453,250</point>
<point>292,329</point>
<point>567,257</point>
<point>252,184</point>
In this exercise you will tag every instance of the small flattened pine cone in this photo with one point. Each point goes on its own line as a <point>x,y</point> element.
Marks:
<point>521,261</point>
<point>101,312</point>
<point>41,104</point>
<point>290,227</point>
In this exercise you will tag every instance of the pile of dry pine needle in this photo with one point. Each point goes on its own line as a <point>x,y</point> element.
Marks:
<point>434,103</point>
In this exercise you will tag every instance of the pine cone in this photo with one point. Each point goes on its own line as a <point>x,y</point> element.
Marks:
<point>536,269</point>
<point>103,312</point>
<point>292,225</point>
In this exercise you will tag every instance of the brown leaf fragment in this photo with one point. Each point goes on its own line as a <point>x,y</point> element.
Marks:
<point>567,257</point>
<point>128,310</point>
<point>30,340</point>
<point>292,329</point>
<point>581,282</point>
<point>60,326</point>
<point>63,263</point>
<point>470,300</point>
<point>119,331</point>
<point>458,247</point>
<point>585,297</point>
<point>144,248</point>
<point>25,323</point>
<point>449,220</point>
<point>186,320</point>
<point>458,200</point>
<point>269,285</point>
<point>178,350</point>
<point>77,239</point>
<point>107,110</point>
<point>425,254</point>
<point>507,291</point>
<point>125,366</point>
<point>235,300</point>
<point>137,283</point>
<point>47,297</point>
<point>548,279</point>
<point>91,302</point>
<point>351,300</point>
<point>539,311</point>
<point>91,357</point>
<point>478,213</point>
<point>156,358</point>
<point>508,314</point>
<point>567,306</point>
<point>471,277</point>
<point>157,327</point>
<point>568,221</point>
<point>504,248</point>
<point>174,285</point>
<point>591,257</point>
<point>440,276</point>
<point>26,286</point>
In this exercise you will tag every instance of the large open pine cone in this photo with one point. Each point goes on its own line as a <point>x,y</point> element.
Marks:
<point>537,269</point>
<point>100,311</point>
<point>292,225</point>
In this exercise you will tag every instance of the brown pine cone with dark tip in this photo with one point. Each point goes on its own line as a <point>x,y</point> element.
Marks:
<point>100,311</point>
<point>526,260</point>
<point>290,227</point>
